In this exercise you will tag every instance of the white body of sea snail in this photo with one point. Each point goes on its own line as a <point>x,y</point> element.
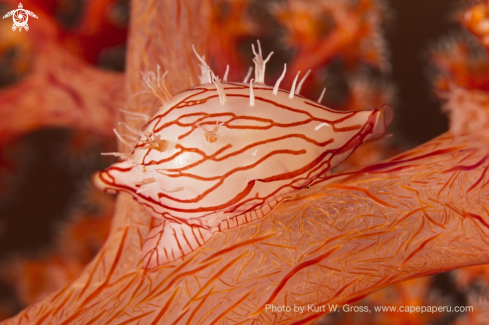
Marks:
<point>223,154</point>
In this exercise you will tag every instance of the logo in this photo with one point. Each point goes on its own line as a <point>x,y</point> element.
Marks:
<point>20,17</point>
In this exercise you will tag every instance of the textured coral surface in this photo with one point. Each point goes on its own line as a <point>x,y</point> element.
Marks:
<point>420,213</point>
<point>70,93</point>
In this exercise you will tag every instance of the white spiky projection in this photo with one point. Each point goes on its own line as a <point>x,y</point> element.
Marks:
<point>222,154</point>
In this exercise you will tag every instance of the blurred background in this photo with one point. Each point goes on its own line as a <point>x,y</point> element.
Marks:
<point>52,222</point>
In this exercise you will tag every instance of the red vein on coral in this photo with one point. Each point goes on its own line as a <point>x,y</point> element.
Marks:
<point>417,250</point>
<point>234,306</point>
<point>214,278</point>
<point>233,247</point>
<point>156,320</point>
<point>289,275</point>
<point>364,191</point>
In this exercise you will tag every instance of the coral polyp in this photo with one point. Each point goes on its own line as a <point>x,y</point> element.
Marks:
<point>233,151</point>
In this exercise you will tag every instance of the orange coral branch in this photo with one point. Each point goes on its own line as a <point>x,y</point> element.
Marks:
<point>353,233</point>
<point>60,91</point>
<point>354,246</point>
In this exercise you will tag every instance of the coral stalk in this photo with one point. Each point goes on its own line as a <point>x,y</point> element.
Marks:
<point>420,213</point>
<point>60,91</point>
<point>417,214</point>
